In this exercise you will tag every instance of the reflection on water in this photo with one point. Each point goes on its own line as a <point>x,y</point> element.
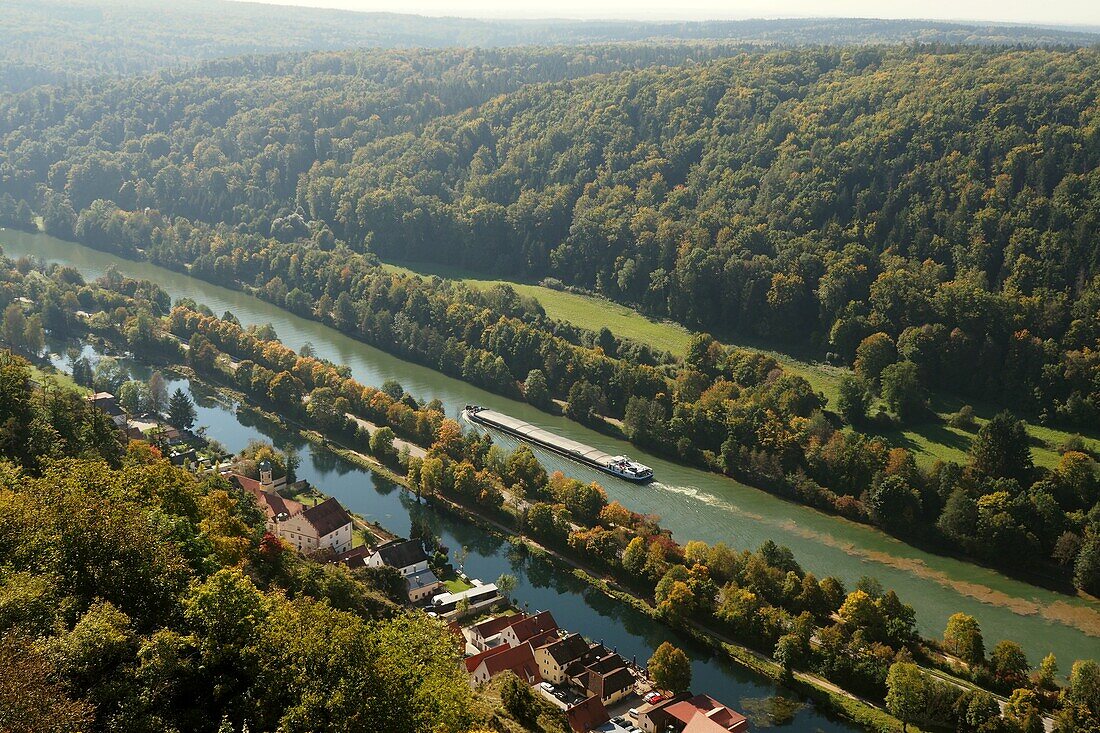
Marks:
<point>693,504</point>
<point>541,585</point>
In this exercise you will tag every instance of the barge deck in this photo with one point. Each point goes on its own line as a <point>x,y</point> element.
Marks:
<point>618,466</point>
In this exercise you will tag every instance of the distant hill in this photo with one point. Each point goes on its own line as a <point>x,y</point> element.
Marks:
<point>51,41</point>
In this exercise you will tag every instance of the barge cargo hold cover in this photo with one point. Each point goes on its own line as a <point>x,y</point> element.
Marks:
<point>619,466</point>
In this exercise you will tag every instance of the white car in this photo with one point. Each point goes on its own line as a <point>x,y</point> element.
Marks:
<point>546,686</point>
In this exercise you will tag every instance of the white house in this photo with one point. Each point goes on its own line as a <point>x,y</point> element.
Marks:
<point>409,559</point>
<point>407,556</point>
<point>325,525</point>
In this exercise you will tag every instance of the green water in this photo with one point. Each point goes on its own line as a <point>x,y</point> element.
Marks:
<point>693,504</point>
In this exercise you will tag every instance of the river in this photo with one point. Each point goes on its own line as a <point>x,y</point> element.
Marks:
<point>541,585</point>
<point>694,504</point>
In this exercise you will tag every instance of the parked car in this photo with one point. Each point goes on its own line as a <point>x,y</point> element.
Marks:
<point>653,697</point>
<point>546,686</point>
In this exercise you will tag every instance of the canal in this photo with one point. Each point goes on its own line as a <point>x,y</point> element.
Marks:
<point>693,504</point>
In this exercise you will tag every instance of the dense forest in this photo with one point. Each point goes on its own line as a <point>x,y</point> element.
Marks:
<point>57,41</point>
<point>925,215</point>
<point>945,200</point>
<point>209,610</point>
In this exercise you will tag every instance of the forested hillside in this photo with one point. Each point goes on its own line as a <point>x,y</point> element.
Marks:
<point>55,41</point>
<point>944,199</point>
<point>926,216</point>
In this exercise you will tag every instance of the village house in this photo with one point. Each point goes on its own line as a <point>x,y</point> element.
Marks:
<point>683,714</point>
<point>554,657</point>
<point>409,559</point>
<point>488,664</point>
<point>406,556</point>
<point>486,635</point>
<point>608,678</point>
<point>324,526</point>
<point>587,715</point>
<point>106,403</point>
<point>525,629</point>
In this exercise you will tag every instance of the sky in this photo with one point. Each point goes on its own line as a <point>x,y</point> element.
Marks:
<point>1048,12</point>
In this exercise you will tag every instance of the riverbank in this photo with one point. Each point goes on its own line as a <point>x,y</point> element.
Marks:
<point>923,538</point>
<point>826,695</point>
<point>693,504</point>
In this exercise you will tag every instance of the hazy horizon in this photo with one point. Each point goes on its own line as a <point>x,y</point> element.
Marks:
<point>1053,13</point>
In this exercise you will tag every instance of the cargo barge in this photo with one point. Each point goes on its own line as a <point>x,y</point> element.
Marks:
<point>618,466</point>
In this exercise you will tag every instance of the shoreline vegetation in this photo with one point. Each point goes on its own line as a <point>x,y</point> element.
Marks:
<point>206,336</point>
<point>931,440</point>
<point>763,475</point>
<point>971,272</point>
<point>829,697</point>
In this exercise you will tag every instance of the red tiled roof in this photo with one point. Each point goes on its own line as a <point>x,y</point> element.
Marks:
<point>355,557</point>
<point>530,626</point>
<point>278,505</point>
<point>704,714</point>
<point>587,715</point>
<point>701,723</point>
<point>542,638</point>
<point>519,659</point>
<point>474,662</point>
<point>494,626</point>
<point>271,503</point>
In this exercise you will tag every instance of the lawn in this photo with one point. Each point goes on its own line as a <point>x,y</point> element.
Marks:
<point>61,379</point>
<point>456,585</point>
<point>929,441</point>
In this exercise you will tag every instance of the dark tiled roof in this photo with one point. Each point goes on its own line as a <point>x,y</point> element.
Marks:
<point>107,403</point>
<point>607,664</point>
<point>568,649</point>
<point>327,517</point>
<point>422,579</point>
<point>402,553</point>
<point>620,679</point>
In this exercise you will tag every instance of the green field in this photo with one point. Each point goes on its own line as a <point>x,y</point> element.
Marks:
<point>582,310</point>
<point>61,379</point>
<point>929,441</point>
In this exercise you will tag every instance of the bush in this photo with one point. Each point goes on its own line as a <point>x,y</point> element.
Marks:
<point>963,419</point>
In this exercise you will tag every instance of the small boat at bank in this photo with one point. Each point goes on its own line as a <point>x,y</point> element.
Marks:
<point>618,466</point>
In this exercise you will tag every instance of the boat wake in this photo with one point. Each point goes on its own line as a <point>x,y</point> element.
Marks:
<point>695,493</point>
